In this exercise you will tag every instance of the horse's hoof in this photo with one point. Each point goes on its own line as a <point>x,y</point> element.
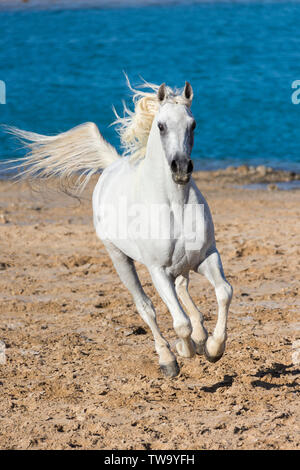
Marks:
<point>212,359</point>
<point>170,370</point>
<point>200,348</point>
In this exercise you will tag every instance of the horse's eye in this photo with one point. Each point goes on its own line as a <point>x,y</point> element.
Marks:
<point>161,127</point>
<point>193,126</point>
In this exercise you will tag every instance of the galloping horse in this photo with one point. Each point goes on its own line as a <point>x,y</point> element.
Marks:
<point>154,172</point>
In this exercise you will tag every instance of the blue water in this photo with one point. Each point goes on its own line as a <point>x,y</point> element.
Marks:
<point>63,67</point>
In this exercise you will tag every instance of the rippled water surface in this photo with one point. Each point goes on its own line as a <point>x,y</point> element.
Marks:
<point>65,66</point>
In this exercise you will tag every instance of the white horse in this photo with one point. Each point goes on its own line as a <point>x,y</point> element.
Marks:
<point>158,136</point>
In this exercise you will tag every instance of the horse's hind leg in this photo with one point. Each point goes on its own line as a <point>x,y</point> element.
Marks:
<point>128,275</point>
<point>199,334</point>
<point>212,269</point>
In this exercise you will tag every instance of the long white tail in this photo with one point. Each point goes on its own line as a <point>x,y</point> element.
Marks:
<point>72,156</point>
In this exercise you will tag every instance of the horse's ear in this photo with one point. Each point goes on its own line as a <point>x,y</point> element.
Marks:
<point>161,93</point>
<point>188,92</point>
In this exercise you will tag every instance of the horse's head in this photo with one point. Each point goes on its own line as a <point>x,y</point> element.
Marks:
<point>176,126</point>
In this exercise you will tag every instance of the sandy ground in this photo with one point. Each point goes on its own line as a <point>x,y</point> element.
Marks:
<point>81,371</point>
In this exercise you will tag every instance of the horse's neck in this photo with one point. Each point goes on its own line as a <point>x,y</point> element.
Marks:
<point>156,173</point>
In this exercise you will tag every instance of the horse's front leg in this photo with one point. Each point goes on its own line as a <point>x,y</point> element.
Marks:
<point>199,335</point>
<point>128,275</point>
<point>164,284</point>
<point>212,269</point>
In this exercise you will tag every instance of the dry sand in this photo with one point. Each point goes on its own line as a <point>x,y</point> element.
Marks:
<point>81,371</point>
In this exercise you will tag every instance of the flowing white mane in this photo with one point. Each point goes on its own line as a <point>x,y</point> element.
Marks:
<point>75,155</point>
<point>134,127</point>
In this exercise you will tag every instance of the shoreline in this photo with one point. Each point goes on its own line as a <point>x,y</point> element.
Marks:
<point>246,176</point>
<point>243,175</point>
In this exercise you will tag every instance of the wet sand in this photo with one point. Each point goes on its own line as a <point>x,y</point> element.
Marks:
<point>81,370</point>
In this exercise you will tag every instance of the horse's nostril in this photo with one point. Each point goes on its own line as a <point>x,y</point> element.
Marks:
<point>174,166</point>
<point>190,167</point>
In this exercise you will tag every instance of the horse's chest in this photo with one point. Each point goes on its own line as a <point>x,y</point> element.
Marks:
<point>182,257</point>
<point>188,247</point>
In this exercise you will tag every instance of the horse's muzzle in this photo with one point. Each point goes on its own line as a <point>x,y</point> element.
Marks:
<point>181,170</point>
<point>181,179</point>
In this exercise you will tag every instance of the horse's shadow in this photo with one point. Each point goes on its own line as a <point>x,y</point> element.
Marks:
<point>277,370</point>
<point>226,382</point>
